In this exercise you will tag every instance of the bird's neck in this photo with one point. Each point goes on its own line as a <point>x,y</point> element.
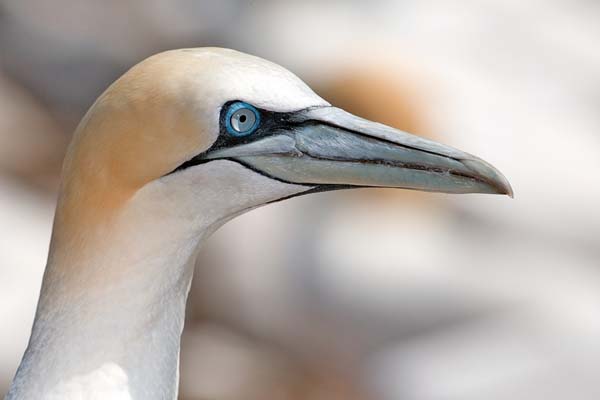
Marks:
<point>112,303</point>
<point>111,309</point>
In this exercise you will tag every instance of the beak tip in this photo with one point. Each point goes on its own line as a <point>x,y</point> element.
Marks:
<point>502,184</point>
<point>491,175</point>
<point>506,189</point>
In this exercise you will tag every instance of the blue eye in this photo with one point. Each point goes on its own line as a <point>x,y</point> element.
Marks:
<point>241,119</point>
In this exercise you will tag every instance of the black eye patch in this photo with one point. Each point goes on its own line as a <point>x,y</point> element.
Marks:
<point>270,123</point>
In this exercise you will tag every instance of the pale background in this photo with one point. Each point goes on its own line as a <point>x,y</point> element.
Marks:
<point>371,294</point>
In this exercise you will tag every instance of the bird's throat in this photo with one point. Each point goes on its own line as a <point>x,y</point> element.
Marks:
<point>112,303</point>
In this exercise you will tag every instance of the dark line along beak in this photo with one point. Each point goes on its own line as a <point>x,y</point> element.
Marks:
<point>328,146</point>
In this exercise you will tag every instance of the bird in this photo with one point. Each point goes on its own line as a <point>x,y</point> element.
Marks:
<point>180,144</point>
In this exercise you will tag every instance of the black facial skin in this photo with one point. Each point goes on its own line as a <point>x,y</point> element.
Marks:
<point>270,123</point>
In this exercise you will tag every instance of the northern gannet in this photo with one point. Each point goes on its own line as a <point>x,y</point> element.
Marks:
<point>180,144</point>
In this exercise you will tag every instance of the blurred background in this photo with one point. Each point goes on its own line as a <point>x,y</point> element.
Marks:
<point>367,294</point>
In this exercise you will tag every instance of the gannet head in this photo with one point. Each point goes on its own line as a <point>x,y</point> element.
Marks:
<point>220,126</point>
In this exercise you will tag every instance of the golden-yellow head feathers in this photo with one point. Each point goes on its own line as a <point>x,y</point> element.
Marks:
<point>162,112</point>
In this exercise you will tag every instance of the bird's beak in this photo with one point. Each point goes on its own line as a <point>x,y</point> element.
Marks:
<point>328,147</point>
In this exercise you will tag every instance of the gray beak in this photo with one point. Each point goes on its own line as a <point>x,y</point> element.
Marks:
<point>328,146</point>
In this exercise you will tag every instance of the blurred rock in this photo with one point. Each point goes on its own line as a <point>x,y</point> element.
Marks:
<point>32,145</point>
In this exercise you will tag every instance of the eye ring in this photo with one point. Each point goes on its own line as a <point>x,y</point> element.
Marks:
<point>241,119</point>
